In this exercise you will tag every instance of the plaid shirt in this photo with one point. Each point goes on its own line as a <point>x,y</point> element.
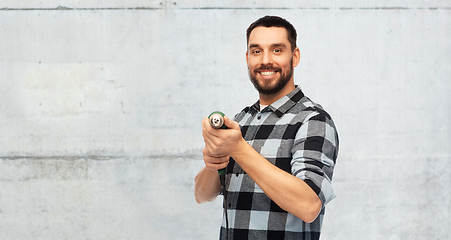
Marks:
<point>297,136</point>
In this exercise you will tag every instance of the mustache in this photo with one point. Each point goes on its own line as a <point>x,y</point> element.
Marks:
<point>267,68</point>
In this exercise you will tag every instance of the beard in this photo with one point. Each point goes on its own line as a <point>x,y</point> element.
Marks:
<point>265,87</point>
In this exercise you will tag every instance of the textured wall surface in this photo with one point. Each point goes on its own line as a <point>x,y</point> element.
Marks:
<point>101,103</point>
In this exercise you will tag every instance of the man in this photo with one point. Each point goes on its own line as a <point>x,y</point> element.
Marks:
<point>280,153</point>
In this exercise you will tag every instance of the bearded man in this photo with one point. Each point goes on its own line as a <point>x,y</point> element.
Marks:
<point>279,153</point>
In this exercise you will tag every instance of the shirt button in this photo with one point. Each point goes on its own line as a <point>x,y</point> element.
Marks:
<point>259,117</point>
<point>237,174</point>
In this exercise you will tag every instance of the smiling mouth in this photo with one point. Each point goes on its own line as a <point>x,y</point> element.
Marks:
<point>267,73</point>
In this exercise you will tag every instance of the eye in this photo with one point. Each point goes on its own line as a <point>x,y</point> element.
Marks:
<point>256,51</point>
<point>277,50</point>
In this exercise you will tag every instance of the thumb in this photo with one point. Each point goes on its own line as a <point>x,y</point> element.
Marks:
<point>230,123</point>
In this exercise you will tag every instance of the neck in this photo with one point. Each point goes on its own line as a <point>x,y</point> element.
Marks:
<point>266,99</point>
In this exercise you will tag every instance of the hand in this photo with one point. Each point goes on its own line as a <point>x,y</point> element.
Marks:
<point>214,161</point>
<point>220,143</point>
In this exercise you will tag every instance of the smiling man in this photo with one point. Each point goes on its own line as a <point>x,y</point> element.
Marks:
<point>279,153</point>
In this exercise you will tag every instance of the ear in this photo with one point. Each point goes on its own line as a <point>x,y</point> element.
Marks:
<point>296,57</point>
<point>247,61</point>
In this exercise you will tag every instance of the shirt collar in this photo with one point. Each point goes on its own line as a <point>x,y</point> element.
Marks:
<point>281,106</point>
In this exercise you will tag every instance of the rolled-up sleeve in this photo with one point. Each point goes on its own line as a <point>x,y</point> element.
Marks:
<point>314,152</point>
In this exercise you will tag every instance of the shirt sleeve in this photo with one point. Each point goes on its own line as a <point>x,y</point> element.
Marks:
<point>314,153</point>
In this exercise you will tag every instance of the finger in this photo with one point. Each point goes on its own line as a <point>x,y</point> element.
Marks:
<point>216,166</point>
<point>210,144</point>
<point>206,128</point>
<point>205,124</point>
<point>213,160</point>
<point>210,138</point>
<point>206,152</point>
<point>216,163</point>
<point>230,123</point>
<point>216,158</point>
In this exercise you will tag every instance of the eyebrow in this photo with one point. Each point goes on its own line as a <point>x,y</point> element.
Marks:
<point>255,45</point>
<point>278,45</point>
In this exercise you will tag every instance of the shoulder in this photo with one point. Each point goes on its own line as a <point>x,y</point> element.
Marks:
<point>310,110</point>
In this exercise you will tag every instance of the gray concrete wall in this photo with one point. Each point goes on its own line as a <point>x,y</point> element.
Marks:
<point>101,103</point>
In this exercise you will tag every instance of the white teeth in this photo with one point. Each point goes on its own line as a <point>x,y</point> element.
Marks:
<point>267,73</point>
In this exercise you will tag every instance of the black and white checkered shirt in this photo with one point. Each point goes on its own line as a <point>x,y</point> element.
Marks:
<point>299,137</point>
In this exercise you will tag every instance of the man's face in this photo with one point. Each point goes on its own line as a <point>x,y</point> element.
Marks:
<point>269,59</point>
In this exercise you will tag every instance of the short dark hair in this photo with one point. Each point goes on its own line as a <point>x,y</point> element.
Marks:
<point>274,21</point>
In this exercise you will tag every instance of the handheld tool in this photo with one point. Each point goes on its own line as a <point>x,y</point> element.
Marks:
<point>217,121</point>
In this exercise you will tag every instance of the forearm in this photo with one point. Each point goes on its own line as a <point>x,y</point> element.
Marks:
<point>289,192</point>
<point>206,185</point>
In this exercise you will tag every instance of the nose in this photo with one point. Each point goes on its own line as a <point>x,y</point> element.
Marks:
<point>267,58</point>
